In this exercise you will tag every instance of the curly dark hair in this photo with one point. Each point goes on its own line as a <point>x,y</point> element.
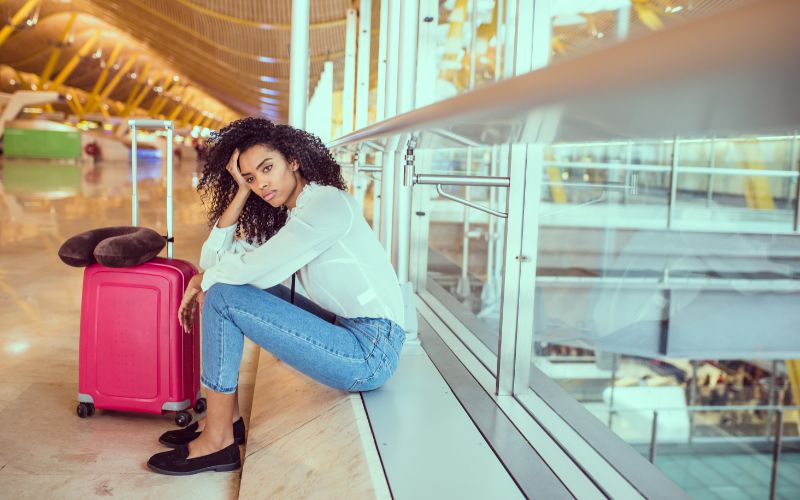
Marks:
<point>259,221</point>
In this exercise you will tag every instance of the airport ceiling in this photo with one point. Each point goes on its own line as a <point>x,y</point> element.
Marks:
<point>224,57</point>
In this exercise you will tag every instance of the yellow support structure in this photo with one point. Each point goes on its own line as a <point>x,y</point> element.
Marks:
<point>114,82</point>
<point>72,105</point>
<point>756,188</point>
<point>198,119</point>
<point>73,62</point>
<point>105,113</point>
<point>55,54</point>
<point>185,102</point>
<point>90,106</point>
<point>188,118</point>
<point>793,368</point>
<point>168,82</point>
<point>144,89</point>
<point>17,18</point>
<point>160,106</point>
<point>77,102</point>
<point>556,187</point>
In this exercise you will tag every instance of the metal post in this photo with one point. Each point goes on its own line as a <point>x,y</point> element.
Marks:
<point>533,34</point>
<point>298,65</point>
<point>389,110</point>
<point>623,22</point>
<point>134,176</point>
<point>348,94</point>
<point>614,359</point>
<point>383,40</point>
<point>406,85</point>
<point>426,53</point>
<point>170,212</point>
<point>771,395</point>
<point>692,399</point>
<point>362,78</point>
<point>392,62</point>
<point>673,184</point>
<point>776,454</point>
<point>795,166</point>
<point>403,211</point>
<point>473,41</point>
<point>712,163</point>
<point>653,438</point>
<point>463,288</point>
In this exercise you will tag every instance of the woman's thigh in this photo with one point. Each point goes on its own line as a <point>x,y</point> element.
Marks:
<point>302,302</point>
<point>322,350</point>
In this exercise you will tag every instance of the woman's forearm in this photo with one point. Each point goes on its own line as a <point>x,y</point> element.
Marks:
<point>231,214</point>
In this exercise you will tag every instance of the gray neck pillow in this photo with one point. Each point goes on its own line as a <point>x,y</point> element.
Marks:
<point>119,246</point>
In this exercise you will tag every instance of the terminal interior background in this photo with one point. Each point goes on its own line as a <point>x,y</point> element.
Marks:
<point>659,293</point>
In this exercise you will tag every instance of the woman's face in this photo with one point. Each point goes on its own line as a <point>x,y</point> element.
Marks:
<point>270,176</point>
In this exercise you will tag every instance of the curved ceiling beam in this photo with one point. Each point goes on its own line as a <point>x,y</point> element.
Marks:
<point>254,24</point>
<point>218,46</point>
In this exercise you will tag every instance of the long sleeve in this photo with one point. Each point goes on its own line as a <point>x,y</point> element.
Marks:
<point>219,242</point>
<point>312,228</point>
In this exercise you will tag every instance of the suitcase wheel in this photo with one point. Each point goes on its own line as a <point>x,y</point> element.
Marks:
<point>183,418</point>
<point>200,407</point>
<point>85,410</point>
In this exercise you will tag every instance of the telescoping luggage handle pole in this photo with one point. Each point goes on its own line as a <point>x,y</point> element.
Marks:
<point>167,124</point>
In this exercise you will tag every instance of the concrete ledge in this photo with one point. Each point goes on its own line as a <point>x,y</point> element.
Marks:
<point>306,440</point>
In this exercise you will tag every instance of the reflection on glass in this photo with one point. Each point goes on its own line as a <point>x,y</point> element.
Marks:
<point>466,46</point>
<point>466,245</point>
<point>667,280</point>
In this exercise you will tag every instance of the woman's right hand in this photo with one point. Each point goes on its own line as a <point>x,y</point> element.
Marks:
<point>233,169</point>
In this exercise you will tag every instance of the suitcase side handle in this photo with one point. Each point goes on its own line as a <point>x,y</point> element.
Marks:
<point>168,126</point>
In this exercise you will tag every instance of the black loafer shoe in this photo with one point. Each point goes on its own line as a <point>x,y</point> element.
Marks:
<point>182,437</point>
<point>175,463</point>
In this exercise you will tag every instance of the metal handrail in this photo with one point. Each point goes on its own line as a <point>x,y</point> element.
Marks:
<point>573,87</point>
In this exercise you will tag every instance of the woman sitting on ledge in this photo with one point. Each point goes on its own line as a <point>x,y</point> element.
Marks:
<point>278,206</point>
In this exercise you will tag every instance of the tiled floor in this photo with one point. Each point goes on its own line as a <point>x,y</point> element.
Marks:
<point>45,449</point>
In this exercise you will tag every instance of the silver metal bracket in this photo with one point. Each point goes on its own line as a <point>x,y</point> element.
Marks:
<point>408,178</point>
<point>468,203</point>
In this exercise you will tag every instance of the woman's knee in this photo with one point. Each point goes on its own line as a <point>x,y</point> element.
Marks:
<point>215,296</point>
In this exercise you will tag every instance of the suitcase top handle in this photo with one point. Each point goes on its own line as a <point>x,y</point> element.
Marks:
<point>168,126</point>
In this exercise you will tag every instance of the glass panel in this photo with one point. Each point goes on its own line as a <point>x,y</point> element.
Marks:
<point>653,299</point>
<point>580,27</point>
<point>465,251</point>
<point>467,46</point>
<point>737,185</point>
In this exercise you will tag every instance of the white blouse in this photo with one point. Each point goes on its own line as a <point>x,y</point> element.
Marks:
<point>340,263</point>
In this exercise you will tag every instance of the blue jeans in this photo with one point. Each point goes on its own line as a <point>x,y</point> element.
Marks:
<point>351,354</point>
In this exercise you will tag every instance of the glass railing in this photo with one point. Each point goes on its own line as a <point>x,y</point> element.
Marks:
<point>632,248</point>
<point>710,451</point>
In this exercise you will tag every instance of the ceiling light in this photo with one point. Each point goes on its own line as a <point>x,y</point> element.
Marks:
<point>267,59</point>
<point>268,79</point>
<point>269,91</point>
<point>269,100</point>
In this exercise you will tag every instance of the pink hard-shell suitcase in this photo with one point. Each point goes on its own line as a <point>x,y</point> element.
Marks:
<point>134,355</point>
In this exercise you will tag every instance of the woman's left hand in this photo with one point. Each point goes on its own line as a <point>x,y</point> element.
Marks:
<point>194,295</point>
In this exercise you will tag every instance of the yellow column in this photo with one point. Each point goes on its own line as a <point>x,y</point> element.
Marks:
<point>115,81</point>
<point>168,82</point>
<point>102,79</point>
<point>55,54</point>
<point>185,121</point>
<point>185,102</point>
<point>20,16</point>
<point>73,62</point>
<point>165,99</point>
<point>135,104</point>
<point>77,102</point>
<point>143,90</point>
